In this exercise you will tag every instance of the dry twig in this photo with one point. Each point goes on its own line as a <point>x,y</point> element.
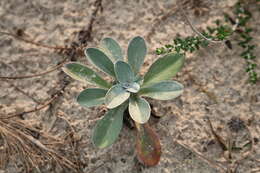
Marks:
<point>21,143</point>
<point>218,138</point>
<point>22,91</point>
<point>18,139</point>
<point>210,162</point>
<point>196,31</point>
<point>36,75</point>
<point>32,42</point>
<point>47,103</point>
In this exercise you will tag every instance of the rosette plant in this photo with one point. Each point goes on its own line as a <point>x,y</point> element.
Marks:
<point>127,91</point>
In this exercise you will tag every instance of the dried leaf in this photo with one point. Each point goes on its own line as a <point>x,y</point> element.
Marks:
<point>148,146</point>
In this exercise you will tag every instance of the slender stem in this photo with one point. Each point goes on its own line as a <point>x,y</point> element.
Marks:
<point>32,42</point>
<point>196,31</point>
<point>32,110</point>
<point>138,126</point>
<point>35,75</point>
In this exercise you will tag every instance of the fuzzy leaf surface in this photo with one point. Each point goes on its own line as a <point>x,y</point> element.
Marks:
<point>92,97</point>
<point>133,87</point>
<point>116,96</point>
<point>139,110</point>
<point>164,68</point>
<point>100,60</point>
<point>82,73</point>
<point>124,73</point>
<point>136,53</point>
<point>165,90</point>
<point>112,49</point>
<point>108,128</point>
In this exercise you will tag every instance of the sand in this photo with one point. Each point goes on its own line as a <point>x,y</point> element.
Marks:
<point>216,84</point>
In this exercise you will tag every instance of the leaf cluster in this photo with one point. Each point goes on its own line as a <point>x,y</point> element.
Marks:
<point>128,87</point>
<point>193,43</point>
<point>245,39</point>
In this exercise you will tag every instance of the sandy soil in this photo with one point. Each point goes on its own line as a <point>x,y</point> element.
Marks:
<point>215,82</point>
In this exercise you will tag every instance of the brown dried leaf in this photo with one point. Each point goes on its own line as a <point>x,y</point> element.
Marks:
<point>148,145</point>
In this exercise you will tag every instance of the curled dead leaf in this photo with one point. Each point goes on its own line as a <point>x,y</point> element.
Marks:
<point>148,145</point>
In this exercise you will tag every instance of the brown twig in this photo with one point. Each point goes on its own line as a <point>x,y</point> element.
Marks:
<point>236,163</point>
<point>22,91</point>
<point>234,28</point>
<point>196,31</point>
<point>32,42</point>
<point>85,34</point>
<point>35,75</point>
<point>210,162</point>
<point>218,138</point>
<point>47,103</point>
<point>18,141</point>
<point>73,141</point>
<point>31,151</point>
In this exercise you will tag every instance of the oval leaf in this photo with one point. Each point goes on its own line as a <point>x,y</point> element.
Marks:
<point>136,53</point>
<point>124,73</point>
<point>165,90</point>
<point>164,68</point>
<point>112,49</point>
<point>100,60</point>
<point>139,110</point>
<point>92,97</point>
<point>148,146</point>
<point>108,128</point>
<point>116,96</point>
<point>82,73</point>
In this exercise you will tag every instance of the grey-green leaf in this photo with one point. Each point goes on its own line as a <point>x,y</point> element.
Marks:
<point>139,79</point>
<point>92,97</point>
<point>82,73</point>
<point>136,53</point>
<point>116,96</point>
<point>133,87</point>
<point>100,60</point>
<point>112,49</point>
<point>139,110</point>
<point>165,90</point>
<point>108,128</point>
<point>164,68</point>
<point>124,73</point>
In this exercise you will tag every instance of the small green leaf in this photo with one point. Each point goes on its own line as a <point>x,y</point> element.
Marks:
<point>124,73</point>
<point>136,53</point>
<point>108,128</point>
<point>165,90</point>
<point>116,96</point>
<point>112,49</point>
<point>131,87</point>
<point>92,97</point>
<point>82,73</point>
<point>139,110</point>
<point>148,147</point>
<point>139,79</point>
<point>100,60</point>
<point>164,68</point>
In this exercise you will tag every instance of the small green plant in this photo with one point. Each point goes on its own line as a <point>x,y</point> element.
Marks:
<point>221,32</point>
<point>244,16</point>
<point>193,43</point>
<point>127,90</point>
